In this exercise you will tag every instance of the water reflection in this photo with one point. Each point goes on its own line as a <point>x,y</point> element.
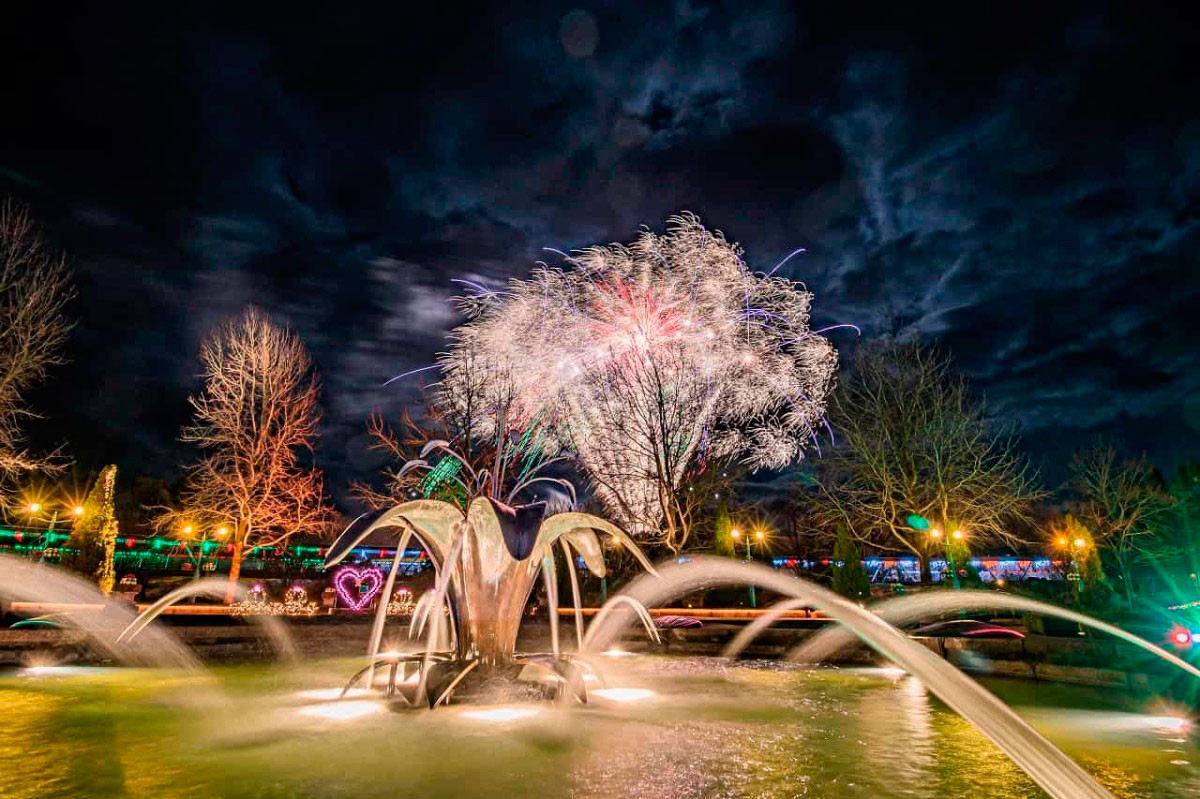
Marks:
<point>708,730</point>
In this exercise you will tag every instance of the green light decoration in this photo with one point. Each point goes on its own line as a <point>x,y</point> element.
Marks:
<point>916,521</point>
<point>447,469</point>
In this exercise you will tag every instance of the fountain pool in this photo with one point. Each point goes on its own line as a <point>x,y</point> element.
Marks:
<point>678,727</point>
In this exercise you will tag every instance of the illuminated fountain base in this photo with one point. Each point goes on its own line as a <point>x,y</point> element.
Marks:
<point>410,680</point>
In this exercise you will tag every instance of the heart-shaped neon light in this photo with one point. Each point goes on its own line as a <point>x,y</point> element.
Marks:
<point>357,587</point>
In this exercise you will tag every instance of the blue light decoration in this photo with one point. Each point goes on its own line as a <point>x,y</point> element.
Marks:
<point>908,570</point>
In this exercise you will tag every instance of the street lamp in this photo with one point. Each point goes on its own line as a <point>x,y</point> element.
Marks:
<point>34,508</point>
<point>201,542</point>
<point>736,535</point>
<point>1074,549</point>
<point>936,535</point>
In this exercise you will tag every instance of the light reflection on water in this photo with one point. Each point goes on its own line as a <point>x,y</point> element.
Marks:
<point>715,730</point>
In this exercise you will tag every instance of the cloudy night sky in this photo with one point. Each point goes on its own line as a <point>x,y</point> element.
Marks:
<point>1020,183</point>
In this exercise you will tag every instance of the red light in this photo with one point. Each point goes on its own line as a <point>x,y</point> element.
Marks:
<point>1181,637</point>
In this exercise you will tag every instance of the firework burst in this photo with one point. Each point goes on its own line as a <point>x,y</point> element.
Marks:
<point>647,361</point>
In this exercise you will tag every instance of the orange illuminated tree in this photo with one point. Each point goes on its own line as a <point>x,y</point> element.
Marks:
<point>256,422</point>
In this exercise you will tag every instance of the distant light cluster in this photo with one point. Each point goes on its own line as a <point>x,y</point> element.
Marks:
<point>646,361</point>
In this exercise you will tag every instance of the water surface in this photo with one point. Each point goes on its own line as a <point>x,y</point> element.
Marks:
<point>711,729</point>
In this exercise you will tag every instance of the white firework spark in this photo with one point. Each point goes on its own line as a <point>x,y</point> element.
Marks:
<point>647,361</point>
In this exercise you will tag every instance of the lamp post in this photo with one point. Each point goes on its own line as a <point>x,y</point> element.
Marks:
<point>1077,547</point>
<point>951,565</point>
<point>206,535</point>
<point>759,536</point>
<point>34,508</point>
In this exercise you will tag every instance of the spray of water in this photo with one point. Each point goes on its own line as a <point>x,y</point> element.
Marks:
<point>756,627</point>
<point>384,600</point>
<point>905,610</point>
<point>1057,774</point>
<point>100,618</point>
<point>611,608</point>
<point>213,588</point>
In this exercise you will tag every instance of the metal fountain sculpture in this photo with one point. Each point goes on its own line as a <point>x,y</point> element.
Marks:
<point>488,554</point>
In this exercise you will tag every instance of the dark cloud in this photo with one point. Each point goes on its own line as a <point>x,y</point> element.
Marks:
<point>1020,185</point>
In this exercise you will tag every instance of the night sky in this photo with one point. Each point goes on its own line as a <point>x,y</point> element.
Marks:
<point>1019,183</point>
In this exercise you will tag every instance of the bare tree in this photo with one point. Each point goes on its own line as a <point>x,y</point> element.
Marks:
<point>912,443</point>
<point>1122,502</point>
<point>34,288</point>
<point>652,467</point>
<point>255,421</point>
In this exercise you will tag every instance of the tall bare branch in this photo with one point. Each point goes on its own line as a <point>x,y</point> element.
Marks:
<point>34,288</point>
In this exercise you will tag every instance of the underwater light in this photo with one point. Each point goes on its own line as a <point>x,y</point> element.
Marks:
<point>618,653</point>
<point>328,694</point>
<point>1170,722</point>
<point>500,714</point>
<point>342,711</point>
<point>623,694</point>
<point>42,671</point>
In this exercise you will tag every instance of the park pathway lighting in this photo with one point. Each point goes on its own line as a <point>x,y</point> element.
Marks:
<point>935,535</point>
<point>37,511</point>
<point>760,536</point>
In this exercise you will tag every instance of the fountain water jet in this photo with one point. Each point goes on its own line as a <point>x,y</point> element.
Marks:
<point>904,610</point>
<point>1057,774</point>
<point>103,623</point>
<point>214,588</point>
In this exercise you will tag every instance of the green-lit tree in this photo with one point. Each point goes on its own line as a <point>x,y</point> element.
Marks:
<point>722,528</point>
<point>94,534</point>
<point>1075,542</point>
<point>1183,522</point>
<point>849,577</point>
<point>1123,504</point>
